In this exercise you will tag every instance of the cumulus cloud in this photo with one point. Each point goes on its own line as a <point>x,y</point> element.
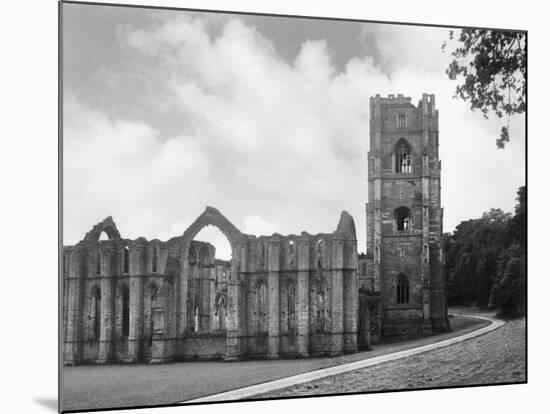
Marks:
<point>120,168</point>
<point>398,46</point>
<point>276,146</point>
<point>258,226</point>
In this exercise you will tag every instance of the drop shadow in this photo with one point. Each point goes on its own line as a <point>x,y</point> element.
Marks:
<point>49,403</point>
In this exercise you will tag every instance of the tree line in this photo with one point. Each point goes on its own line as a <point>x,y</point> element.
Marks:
<point>485,260</point>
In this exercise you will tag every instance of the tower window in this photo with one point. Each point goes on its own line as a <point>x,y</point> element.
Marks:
<point>401,121</point>
<point>402,219</point>
<point>402,289</point>
<point>403,157</point>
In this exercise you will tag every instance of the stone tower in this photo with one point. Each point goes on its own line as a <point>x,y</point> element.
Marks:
<point>404,216</point>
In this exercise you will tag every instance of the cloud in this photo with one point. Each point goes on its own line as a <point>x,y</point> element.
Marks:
<point>120,168</point>
<point>258,226</point>
<point>276,146</point>
<point>399,46</point>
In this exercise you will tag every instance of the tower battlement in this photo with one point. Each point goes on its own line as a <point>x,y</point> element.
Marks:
<point>427,101</point>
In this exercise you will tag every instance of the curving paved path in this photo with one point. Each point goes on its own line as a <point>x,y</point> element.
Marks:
<point>267,387</point>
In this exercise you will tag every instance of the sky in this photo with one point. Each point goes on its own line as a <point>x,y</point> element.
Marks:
<point>264,118</point>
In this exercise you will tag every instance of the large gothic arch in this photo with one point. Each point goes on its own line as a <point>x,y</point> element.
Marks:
<point>211,217</point>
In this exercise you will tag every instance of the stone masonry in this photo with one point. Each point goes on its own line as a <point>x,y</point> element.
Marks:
<point>404,217</point>
<point>279,296</point>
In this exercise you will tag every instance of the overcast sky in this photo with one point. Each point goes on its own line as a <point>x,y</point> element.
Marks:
<point>264,118</point>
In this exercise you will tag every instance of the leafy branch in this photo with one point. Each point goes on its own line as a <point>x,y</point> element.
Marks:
<point>492,68</point>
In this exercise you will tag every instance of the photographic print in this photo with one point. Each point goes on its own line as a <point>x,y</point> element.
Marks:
<point>265,206</point>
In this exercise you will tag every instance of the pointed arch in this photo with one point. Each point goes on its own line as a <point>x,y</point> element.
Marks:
<point>318,304</point>
<point>403,157</point>
<point>291,307</point>
<point>98,262</point>
<point>192,255</point>
<point>402,218</point>
<point>125,296</point>
<point>204,257</point>
<point>320,248</point>
<point>154,259</point>
<point>95,312</point>
<point>261,307</point>
<point>220,312</point>
<point>262,254</point>
<point>292,254</point>
<point>402,293</point>
<point>108,226</point>
<point>151,302</point>
<point>211,217</point>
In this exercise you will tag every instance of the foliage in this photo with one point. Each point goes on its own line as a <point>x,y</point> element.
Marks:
<point>508,291</point>
<point>493,67</point>
<point>485,260</point>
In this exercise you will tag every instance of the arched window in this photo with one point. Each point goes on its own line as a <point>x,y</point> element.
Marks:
<point>402,217</point>
<point>291,307</point>
<point>196,318</point>
<point>320,250</point>
<point>154,264</point>
<point>153,295</point>
<point>403,157</point>
<point>203,256</point>
<point>221,313</point>
<point>401,121</point>
<point>262,307</point>
<point>192,256</point>
<point>291,254</point>
<point>125,312</point>
<point>126,267</point>
<point>98,263</point>
<point>319,305</point>
<point>261,255</point>
<point>402,289</point>
<point>95,313</point>
<point>104,235</point>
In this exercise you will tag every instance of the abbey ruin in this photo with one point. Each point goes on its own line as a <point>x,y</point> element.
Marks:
<point>279,296</point>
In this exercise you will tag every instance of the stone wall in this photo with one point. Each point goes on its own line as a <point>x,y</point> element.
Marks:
<point>279,296</point>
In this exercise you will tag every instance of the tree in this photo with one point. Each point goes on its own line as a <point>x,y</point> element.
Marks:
<point>485,260</point>
<point>508,291</point>
<point>472,255</point>
<point>518,226</point>
<point>492,65</point>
